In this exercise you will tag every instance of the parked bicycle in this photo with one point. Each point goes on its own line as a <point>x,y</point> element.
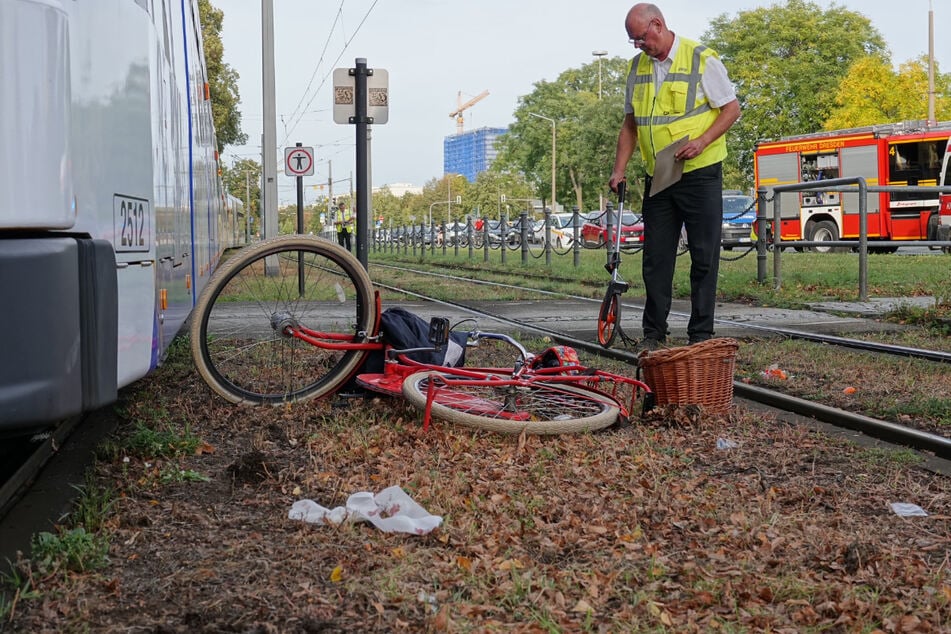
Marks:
<point>294,318</point>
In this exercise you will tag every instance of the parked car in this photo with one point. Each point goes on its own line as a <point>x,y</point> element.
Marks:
<point>457,234</point>
<point>562,233</point>
<point>739,214</point>
<point>513,231</point>
<point>594,232</point>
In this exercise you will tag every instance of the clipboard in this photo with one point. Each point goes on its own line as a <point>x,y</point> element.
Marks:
<point>667,169</point>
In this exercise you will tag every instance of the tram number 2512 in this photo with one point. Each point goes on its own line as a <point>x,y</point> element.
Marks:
<point>131,218</point>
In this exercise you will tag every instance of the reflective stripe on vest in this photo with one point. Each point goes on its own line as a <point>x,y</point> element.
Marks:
<point>675,111</point>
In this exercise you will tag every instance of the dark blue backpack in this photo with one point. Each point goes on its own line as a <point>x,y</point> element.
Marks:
<point>402,329</point>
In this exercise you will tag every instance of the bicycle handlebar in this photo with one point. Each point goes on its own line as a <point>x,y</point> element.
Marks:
<point>475,336</point>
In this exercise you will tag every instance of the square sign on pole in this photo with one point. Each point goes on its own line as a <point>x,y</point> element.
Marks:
<point>378,96</point>
<point>299,161</point>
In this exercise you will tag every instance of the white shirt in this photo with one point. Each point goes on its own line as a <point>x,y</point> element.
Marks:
<point>714,83</point>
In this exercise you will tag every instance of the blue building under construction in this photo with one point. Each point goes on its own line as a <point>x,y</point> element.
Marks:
<point>472,152</point>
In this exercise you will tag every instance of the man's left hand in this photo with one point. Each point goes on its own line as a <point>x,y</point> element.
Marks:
<point>691,149</point>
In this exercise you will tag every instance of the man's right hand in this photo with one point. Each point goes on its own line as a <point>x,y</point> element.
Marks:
<point>615,179</point>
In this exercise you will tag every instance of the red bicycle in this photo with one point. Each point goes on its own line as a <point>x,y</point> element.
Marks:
<point>294,317</point>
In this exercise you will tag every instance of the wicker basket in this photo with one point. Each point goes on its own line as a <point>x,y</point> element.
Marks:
<point>700,374</point>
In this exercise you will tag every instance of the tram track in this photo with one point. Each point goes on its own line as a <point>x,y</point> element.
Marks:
<point>45,475</point>
<point>888,431</point>
<point>790,333</point>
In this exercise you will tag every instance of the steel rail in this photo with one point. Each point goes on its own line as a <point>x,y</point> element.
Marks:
<point>38,456</point>
<point>790,333</point>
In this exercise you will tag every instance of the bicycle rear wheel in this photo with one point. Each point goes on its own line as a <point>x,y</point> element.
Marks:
<point>239,338</point>
<point>535,408</point>
<point>609,318</point>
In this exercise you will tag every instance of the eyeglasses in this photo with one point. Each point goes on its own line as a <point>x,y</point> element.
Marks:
<point>637,40</point>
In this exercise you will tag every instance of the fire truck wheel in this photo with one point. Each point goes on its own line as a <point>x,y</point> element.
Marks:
<point>932,230</point>
<point>823,231</point>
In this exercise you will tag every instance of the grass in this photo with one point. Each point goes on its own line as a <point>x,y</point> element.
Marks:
<point>23,590</point>
<point>881,386</point>
<point>73,550</point>
<point>880,456</point>
<point>166,442</point>
<point>172,474</point>
<point>94,505</point>
<point>936,318</point>
<point>81,543</point>
<point>819,372</point>
<point>340,444</point>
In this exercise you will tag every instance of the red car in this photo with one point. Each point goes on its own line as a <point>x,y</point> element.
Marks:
<point>594,232</point>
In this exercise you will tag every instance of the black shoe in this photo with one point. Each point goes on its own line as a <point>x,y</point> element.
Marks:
<point>648,344</point>
<point>697,339</point>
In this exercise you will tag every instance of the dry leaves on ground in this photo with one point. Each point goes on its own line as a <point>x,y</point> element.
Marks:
<point>650,528</point>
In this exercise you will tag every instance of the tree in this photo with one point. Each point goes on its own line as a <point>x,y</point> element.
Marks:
<point>586,133</point>
<point>222,79</point>
<point>243,181</point>
<point>484,196</point>
<point>872,93</point>
<point>786,61</point>
<point>440,196</point>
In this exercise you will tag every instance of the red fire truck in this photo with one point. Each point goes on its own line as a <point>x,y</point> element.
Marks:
<point>944,221</point>
<point>901,154</point>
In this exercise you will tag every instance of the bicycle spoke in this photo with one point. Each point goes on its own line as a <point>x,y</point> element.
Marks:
<point>242,334</point>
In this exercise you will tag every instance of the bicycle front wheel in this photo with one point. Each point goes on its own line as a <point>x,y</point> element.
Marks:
<point>532,407</point>
<point>240,336</point>
<point>609,318</point>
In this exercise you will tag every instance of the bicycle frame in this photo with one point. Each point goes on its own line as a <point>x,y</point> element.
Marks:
<point>398,366</point>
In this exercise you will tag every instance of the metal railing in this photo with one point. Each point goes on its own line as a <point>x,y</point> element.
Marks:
<point>503,234</point>
<point>848,185</point>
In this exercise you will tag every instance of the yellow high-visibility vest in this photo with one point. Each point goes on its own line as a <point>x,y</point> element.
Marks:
<point>677,110</point>
<point>344,220</point>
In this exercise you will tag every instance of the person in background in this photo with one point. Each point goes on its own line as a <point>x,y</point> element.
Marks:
<point>676,88</point>
<point>344,223</point>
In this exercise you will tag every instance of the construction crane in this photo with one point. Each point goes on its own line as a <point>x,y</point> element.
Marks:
<point>463,106</point>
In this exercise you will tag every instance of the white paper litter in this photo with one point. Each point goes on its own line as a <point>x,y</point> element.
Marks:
<point>726,443</point>
<point>906,509</point>
<point>391,510</point>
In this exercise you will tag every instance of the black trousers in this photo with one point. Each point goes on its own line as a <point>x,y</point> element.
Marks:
<point>695,202</point>
<point>343,239</point>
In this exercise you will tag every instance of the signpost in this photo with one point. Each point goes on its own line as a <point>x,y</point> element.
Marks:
<point>299,162</point>
<point>361,98</point>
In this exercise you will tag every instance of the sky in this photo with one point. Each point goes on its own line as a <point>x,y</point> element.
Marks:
<point>433,50</point>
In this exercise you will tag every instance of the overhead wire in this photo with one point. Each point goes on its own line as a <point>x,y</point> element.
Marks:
<point>328,74</point>
<point>310,82</point>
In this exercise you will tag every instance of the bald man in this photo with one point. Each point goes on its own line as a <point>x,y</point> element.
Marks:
<point>676,88</point>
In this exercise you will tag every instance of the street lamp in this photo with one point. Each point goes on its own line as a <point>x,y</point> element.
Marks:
<point>552,121</point>
<point>599,54</point>
<point>438,202</point>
